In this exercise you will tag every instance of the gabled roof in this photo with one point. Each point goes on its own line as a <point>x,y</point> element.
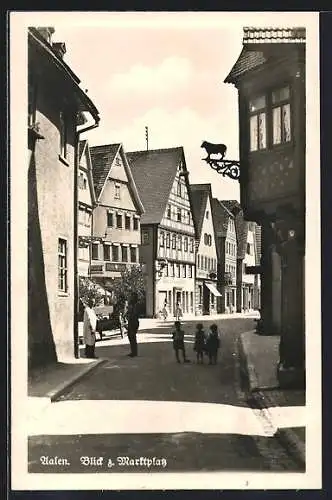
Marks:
<point>154,172</point>
<point>199,195</point>
<point>102,158</point>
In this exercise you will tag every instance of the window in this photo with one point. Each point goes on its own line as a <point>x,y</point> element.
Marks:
<point>110,219</point>
<point>115,253</point>
<point>62,265</point>
<point>168,240</point>
<point>124,254</point>
<point>178,215</point>
<point>257,110</point>
<point>248,248</point>
<point>127,222</point>
<point>172,271</point>
<point>145,237</point>
<point>85,183</point>
<point>174,241</point>
<point>184,273</point>
<point>190,271</point>
<point>205,239</point>
<point>207,214</point>
<point>107,252</point>
<point>178,270</point>
<point>186,244</point>
<point>135,221</point>
<point>116,191</point>
<point>281,116</point>
<point>119,221</point>
<point>209,240</point>
<point>63,135</point>
<point>168,212</point>
<point>95,251</point>
<point>191,245</point>
<point>198,260</point>
<point>178,188</point>
<point>133,254</point>
<point>179,242</point>
<point>205,267</point>
<point>162,238</point>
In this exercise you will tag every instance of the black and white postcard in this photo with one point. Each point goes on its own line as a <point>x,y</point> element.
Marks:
<point>165,250</point>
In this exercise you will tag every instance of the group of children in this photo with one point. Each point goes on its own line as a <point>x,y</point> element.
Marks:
<point>208,344</point>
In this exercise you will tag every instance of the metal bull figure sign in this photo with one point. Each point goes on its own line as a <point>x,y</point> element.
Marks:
<point>230,168</point>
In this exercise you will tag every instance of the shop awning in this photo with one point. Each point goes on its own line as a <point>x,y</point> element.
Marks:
<point>213,289</point>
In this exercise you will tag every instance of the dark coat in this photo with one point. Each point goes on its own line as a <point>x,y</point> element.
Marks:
<point>178,339</point>
<point>212,342</point>
<point>199,341</point>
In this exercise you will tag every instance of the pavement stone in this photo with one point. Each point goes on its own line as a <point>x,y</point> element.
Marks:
<point>258,364</point>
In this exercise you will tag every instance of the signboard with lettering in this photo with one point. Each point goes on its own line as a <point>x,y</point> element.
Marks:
<point>114,266</point>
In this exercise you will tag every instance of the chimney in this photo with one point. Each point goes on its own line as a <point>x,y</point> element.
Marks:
<point>60,49</point>
<point>46,32</point>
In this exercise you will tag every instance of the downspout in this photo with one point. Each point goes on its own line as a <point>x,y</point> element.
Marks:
<point>76,277</point>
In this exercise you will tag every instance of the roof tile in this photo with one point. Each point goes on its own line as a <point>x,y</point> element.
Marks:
<point>102,158</point>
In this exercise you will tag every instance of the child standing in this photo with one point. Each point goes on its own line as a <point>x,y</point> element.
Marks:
<point>213,344</point>
<point>178,342</point>
<point>199,342</point>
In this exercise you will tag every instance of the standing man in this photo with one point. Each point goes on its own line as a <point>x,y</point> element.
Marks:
<point>89,329</point>
<point>133,323</point>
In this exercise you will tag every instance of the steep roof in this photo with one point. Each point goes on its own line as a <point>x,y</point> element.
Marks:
<point>221,216</point>
<point>154,172</point>
<point>102,158</point>
<point>199,195</point>
<point>255,40</point>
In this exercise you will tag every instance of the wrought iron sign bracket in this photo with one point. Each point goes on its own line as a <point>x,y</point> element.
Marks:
<point>231,168</point>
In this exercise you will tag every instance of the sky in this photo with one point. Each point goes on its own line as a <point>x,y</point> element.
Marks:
<point>164,71</point>
<point>169,79</point>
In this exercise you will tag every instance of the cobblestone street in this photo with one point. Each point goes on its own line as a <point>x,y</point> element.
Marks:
<point>195,417</point>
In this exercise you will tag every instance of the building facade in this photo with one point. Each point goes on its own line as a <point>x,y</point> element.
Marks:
<point>86,204</point>
<point>270,77</point>
<point>56,104</point>
<point>167,227</point>
<point>226,241</point>
<point>206,292</point>
<point>116,217</point>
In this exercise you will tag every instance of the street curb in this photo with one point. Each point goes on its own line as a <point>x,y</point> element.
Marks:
<point>247,369</point>
<point>54,394</point>
<point>256,398</point>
